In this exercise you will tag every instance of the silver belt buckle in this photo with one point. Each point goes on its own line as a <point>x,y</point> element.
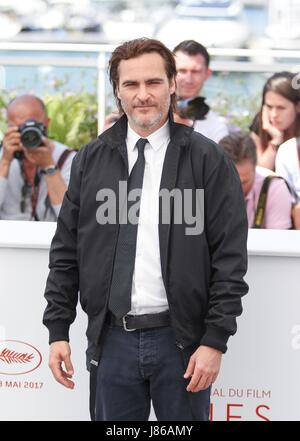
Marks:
<point>125,326</point>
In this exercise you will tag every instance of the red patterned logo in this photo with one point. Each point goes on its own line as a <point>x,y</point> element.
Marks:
<point>18,357</point>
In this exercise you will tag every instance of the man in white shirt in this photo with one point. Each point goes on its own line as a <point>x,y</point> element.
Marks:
<point>161,299</point>
<point>192,65</point>
<point>33,180</point>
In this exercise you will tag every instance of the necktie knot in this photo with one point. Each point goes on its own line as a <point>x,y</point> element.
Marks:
<point>141,145</point>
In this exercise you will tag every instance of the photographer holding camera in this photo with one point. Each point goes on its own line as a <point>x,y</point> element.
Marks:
<point>34,170</point>
<point>192,65</point>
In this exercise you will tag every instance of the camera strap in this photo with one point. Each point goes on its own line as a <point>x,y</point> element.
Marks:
<point>34,196</point>
<point>262,201</point>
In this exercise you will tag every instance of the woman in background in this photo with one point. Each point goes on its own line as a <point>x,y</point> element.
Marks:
<point>278,119</point>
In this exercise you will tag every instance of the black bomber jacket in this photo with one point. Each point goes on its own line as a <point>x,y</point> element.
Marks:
<point>202,274</point>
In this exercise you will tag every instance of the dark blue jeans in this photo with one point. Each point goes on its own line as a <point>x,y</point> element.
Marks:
<point>139,366</point>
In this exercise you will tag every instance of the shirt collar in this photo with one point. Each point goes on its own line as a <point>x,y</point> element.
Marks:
<point>156,139</point>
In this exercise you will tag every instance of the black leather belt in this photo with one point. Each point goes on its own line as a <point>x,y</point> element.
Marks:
<point>134,322</point>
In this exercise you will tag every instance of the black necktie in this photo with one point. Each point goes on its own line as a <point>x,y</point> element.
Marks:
<point>120,290</point>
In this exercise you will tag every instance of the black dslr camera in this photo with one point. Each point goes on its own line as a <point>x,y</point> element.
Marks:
<point>195,108</point>
<point>32,133</point>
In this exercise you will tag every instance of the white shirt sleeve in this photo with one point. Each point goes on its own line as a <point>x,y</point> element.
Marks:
<point>3,186</point>
<point>65,173</point>
<point>52,213</point>
<point>281,166</point>
<point>221,131</point>
<point>287,166</point>
<point>213,126</point>
<point>66,168</point>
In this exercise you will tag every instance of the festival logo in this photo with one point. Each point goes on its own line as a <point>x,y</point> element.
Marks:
<point>18,357</point>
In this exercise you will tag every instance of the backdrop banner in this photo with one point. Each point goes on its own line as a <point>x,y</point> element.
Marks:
<point>259,377</point>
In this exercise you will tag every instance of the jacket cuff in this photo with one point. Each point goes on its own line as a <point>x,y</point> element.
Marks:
<point>58,331</point>
<point>215,338</point>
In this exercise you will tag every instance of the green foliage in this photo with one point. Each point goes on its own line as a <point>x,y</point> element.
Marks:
<point>5,97</point>
<point>73,118</point>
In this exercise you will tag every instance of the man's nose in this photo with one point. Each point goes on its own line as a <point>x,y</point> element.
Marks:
<point>143,93</point>
<point>188,77</point>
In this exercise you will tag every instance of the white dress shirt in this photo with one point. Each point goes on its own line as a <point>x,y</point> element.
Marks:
<point>287,166</point>
<point>148,293</point>
<point>213,126</point>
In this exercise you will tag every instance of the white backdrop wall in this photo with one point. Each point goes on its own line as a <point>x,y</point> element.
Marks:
<point>259,379</point>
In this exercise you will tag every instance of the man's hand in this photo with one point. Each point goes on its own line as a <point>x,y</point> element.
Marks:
<point>203,367</point>
<point>60,352</point>
<point>110,120</point>
<point>11,143</point>
<point>42,155</point>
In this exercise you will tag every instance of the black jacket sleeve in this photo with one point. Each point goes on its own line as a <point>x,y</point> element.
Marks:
<point>62,285</point>
<point>226,229</point>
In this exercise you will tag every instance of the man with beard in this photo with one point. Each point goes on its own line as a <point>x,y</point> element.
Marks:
<point>161,303</point>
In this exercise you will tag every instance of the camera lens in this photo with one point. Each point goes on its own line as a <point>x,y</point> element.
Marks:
<point>31,137</point>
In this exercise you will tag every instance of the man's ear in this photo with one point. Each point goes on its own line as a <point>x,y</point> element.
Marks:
<point>298,107</point>
<point>208,73</point>
<point>172,83</point>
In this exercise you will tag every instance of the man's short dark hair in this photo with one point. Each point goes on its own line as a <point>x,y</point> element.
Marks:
<point>239,147</point>
<point>192,47</point>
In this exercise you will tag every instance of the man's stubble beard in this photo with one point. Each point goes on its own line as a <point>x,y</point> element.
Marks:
<point>147,124</point>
